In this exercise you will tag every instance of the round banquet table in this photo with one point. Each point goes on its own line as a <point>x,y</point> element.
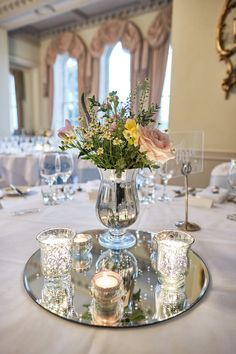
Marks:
<point>26,328</point>
<point>23,169</point>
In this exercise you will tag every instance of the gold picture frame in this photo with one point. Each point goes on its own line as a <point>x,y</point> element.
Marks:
<point>226,44</point>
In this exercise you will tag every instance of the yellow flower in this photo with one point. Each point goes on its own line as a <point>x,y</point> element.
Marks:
<point>117,141</point>
<point>131,132</point>
<point>130,124</point>
<point>88,146</point>
<point>100,151</point>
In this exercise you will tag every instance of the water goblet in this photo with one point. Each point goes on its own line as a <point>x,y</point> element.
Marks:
<point>145,182</point>
<point>232,182</point>
<point>66,169</point>
<point>166,173</point>
<point>49,169</point>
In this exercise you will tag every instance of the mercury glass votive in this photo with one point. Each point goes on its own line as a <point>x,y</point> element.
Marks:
<point>55,252</point>
<point>169,302</point>
<point>81,251</point>
<point>57,297</point>
<point>107,306</point>
<point>172,256</point>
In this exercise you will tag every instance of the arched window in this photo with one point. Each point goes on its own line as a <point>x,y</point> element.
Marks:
<point>165,97</point>
<point>66,104</point>
<point>114,61</point>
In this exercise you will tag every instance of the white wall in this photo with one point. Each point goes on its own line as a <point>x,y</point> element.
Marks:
<point>4,86</point>
<point>197,100</point>
<point>23,53</point>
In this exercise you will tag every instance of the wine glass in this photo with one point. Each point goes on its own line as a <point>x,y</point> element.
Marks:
<point>166,172</point>
<point>66,169</point>
<point>49,169</point>
<point>232,182</point>
<point>145,182</point>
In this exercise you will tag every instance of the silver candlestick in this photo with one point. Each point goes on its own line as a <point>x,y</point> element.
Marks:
<point>186,225</point>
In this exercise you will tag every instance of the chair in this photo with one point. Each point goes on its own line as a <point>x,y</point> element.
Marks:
<point>86,171</point>
<point>219,176</point>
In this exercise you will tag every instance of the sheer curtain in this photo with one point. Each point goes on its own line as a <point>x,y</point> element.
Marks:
<point>111,32</point>
<point>65,42</point>
<point>115,57</point>
<point>19,92</point>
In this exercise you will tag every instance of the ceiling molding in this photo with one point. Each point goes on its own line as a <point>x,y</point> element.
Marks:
<point>124,13</point>
<point>9,7</point>
<point>15,14</point>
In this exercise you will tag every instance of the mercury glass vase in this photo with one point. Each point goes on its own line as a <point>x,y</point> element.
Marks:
<point>117,208</point>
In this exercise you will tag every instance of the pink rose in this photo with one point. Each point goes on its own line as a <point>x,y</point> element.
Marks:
<point>156,145</point>
<point>67,132</point>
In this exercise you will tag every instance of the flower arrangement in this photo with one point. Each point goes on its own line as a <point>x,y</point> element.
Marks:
<point>114,135</point>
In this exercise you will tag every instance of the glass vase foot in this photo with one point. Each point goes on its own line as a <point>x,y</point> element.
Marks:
<point>117,242</point>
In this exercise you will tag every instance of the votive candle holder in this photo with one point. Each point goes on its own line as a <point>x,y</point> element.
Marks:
<point>55,252</point>
<point>107,306</point>
<point>57,297</point>
<point>172,256</point>
<point>81,251</point>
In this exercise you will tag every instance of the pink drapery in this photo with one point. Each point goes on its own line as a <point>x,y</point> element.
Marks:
<point>155,52</point>
<point>111,32</point>
<point>64,42</point>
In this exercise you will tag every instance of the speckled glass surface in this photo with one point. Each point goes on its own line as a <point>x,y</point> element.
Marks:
<point>151,304</point>
<point>55,245</point>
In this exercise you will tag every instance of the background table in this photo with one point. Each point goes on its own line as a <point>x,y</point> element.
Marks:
<point>210,327</point>
<point>23,169</point>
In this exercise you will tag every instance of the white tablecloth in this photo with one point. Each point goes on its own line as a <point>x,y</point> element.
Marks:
<point>25,328</point>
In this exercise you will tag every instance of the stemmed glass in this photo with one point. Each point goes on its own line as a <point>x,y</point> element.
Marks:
<point>166,172</point>
<point>232,182</point>
<point>66,169</point>
<point>49,169</point>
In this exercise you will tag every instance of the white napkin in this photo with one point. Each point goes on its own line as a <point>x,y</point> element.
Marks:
<point>92,186</point>
<point>200,202</point>
<point>219,176</point>
<point>1,193</point>
<point>218,198</point>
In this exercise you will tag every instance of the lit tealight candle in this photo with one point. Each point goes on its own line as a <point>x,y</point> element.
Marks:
<point>82,243</point>
<point>107,291</point>
<point>106,282</point>
<point>81,238</point>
